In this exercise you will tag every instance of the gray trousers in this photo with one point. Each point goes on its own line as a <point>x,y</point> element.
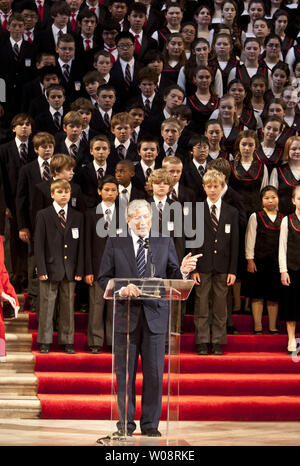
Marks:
<point>48,292</point>
<point>97,307</point>
<point>211,292</point>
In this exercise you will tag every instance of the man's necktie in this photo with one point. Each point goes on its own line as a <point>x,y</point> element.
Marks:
<point>133,136</point>
<point>66,72</point>
<point>100,173</point>
<point>56,119</point>
<point>16,51</point>
<point>107,219</point>
<point>141,259</point>
<point>137,45</point>
<point>214,217</point>
<point>127,76</point>
<point>201,170</point>
<point>62,218</point>
<point>46,171</point>
<point>23,152</point>
<point>124,195</point>
<point>73,151</point>
<point>121,151</point>
<point>87,44</point>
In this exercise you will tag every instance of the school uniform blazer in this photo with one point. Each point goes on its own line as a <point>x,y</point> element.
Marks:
<point>118,81</point>
<point>119,261</point>
<point>86,177</point>
<point>30,176</point>
<point>139,178</point>
<point>131,154</point>
<point>147,44</point>
<point>42,198</point>
<point>94,243</point>
<point>46,42</point>
<point>44,122</point>
<point>192,179</point>
<point>84,156</point>
<point>98,125</point>
<point>10,165</point>
<point>31,90</point>
<point>155,21</point>
<point>220,250</point>
<point>234,199</point>
<point>59,252</point>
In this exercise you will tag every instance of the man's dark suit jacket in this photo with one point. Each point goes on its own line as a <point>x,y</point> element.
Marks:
<point>59,252</point>
<point>193,180</point>
<point>84,156</point>
<point>139,178</point>
<point>114,157</point>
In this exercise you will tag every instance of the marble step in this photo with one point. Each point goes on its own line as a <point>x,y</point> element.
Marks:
<point>19,325</point>
<point>23,407</point>
<point>18,342</point>
<point>18,385</point>
<point>18,363</point>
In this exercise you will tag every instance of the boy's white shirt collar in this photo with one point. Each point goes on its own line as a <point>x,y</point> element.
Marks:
<point>58,208</point>
<point>126,144</point>
<point>96,166</point>
<point>18,142</point>
<point>157,201</point>
<point>111,207</point>
<point>145,167</point>
<point>217,204</point>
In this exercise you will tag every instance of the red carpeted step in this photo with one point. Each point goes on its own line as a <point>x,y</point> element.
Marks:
<point>209,384</point>
<point>200,408</point>
<point>243,363</point>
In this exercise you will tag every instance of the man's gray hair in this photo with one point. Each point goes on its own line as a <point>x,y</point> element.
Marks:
<point>135,205</point>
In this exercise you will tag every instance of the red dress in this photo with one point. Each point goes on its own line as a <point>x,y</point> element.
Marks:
<point>5,286</point>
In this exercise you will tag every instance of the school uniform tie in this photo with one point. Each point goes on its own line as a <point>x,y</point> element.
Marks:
<point>73,151</point>
<point>133,136</point>
<point>107,219</point>
<point>40,10</point>
<point>147,107</point>
<point>4,23</point>
<point>46,171</point>
<point>106,120</point>
<point>16,51</point>
<point>148,173</point>
<point>201,170</point>
<point>73,21</point>
<point>84,137</point>
<point>87,44</point>
<point>213,217</point>
<point>121,151</point>
<point>174,196</point>
<point>66,72</point>
<point>137,45</point>
<point>28,37</point>
<point>127,76</point>
<point>141,259</point>
<point>160,210</point>
<point>23,152</point>
<point>100,173</point>
<point>62,218</point>
<point>170,151</point>
<point>56,119</point>
<point>124,196</point>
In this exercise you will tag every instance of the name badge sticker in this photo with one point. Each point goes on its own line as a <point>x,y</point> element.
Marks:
<point>227,228</point>
<point>75,233</point>
<point>170,226</point>
<point>74,201</point>
<point>28,62</point>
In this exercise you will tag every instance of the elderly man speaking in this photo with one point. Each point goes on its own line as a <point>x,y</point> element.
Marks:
<point>126,257</point>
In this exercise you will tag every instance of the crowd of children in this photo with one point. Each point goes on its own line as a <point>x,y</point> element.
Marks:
<point>104,102</point>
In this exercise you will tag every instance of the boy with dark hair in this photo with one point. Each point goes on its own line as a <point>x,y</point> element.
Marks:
<point>122,146</point>
<point>110,30</point>
<point>104,109</point>
<point>103,64</point>
<point>194,170</point>
<point>52,119</point>
<point>136,18</point>
<point>48,38</point>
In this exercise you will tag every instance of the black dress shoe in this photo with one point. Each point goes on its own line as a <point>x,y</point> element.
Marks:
<point>69,349</point>
<point>216,349</point>
<point>95,349</point>
<point>202,349</point>
<point>232,331</point>
<point>44,348</point>
<point>121,433</point>
<point>151,432</point>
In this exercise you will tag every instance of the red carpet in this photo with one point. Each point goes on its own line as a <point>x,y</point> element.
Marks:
<point>254,381</point>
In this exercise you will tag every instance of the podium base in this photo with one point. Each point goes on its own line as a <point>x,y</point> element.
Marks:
<point>138,440</point>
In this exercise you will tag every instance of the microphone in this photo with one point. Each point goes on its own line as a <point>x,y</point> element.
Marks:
<point>147,246</point>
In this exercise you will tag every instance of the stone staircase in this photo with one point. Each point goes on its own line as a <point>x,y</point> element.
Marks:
<point>18,384</point>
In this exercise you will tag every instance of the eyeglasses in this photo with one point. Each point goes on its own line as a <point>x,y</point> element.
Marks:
<point>124,46</point>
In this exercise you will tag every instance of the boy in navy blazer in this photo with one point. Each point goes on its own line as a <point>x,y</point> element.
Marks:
<point>217,269</point>
<point>59,254</point>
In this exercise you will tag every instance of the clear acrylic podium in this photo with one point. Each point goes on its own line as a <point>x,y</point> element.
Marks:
<point>125,313</point>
